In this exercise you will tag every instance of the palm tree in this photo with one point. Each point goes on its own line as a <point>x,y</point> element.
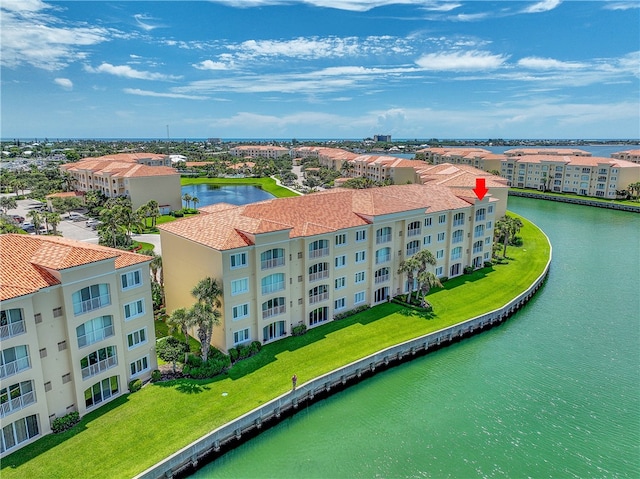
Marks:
<point>8,203</point>
<point>195,201</point>
<point>143,213</point>
<point>36,219</point>
<point>187,199</point>
<point>53,219</point>
<point>427,280</point>
<point>180,319</point>
<point>634,188</point>
<point>205,312</point>
<point>154,211</point>
<point>507,228</point>
<point>409,266</point>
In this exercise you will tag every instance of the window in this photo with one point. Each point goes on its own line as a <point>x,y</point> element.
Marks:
<point>439,271</point>
<point>339,304</point>
<point>13,360</point>
<point>239,286</point>
<point>480,214</point>
<point>274,331</point>
<point>361,235</point>
<point>90,298</point>
<point>131,279</point>
<point>98,361</point>
<point>101,391</point>
<point>477,246</point>
<point>341,239</point>
<point>360,256</point>
<point>57,312</point>
<point>95,330</point>
<point>383,235</point>
<point>457,236</point>
<point>272,258</point>
<point>66,378</point>
<point>341,261</point>
<point>134,309</point>
<point>272,283</point>
<point>440,237</point>
<point>440,254</point>
<point>456,253</point>
<point>136,338</point>
<point>426,240</point>
<point>360,277</point>
<point>238,260</point>
<point>273,307</point>
<point>340,282</point>
<point>11,323</point>
<point>458,219</point>
<point>319,293</point>
<point>428,221</point>
<point>62,345</point>
<point>139,366</point>
<point>413,247</point>
<point>16,396</point>
<point>489,225</point>
<point>478,231</point>
<point>240,311</point>
<point>381,275</point>
<point>319,248</point>
<point>241,336</point>
<point>18,432</point>
<point>490,209</point>
<point>383,255</point>
<point>442,219</point>
<point>359,298</point>
<point>318,315</point>
<point>318,271</point>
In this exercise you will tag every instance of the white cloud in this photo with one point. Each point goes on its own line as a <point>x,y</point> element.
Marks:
<point>128,72</point>
<point>350,5</point>
<point>137,91</point>
<point>142,21</point>
<point>621,5</point>
<point>23,5</point>
<point>461,61</point>
<point>543,6</point>
<point>536,63</point>
<point>64,83</point>
<point>210,65</point>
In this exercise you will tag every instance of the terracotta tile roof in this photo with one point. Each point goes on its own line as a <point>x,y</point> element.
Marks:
<point>546,151</point>
<point>627,152</point>
<point>67,194</point>
<point>591,161</point>
<point>228,227</point>
<point>118,169</point>
<point>129,157</point>
<point>25,261</point>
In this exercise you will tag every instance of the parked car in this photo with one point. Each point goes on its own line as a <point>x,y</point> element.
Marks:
<point>17,218</point>
<point>28,225</point>
<point>92,223</point>
<point>73,216</point>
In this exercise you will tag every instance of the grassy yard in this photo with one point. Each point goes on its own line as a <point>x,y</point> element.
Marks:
<point>267,184</point>
<point>137,430</point>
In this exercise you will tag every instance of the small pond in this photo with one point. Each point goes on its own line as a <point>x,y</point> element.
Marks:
<point>233,194</point>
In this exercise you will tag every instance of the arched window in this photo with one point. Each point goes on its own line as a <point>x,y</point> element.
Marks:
<point>272,283</point>
<point>319,293</point>
<point>272,258</point>
<point>381,275</point>
<point>458,219</point>
<point>95,330</point>
<point>477,246</point>
<point>273,307</point>
<point>318,249</point>
<point>383,255</point>
<point>90,298</point>
<point>413,247</point>
<point>318,315</point>
<point>274,331</point>
<point>98,361</point>
<point>318,271</point>
<point>456,253</point>
<point>101,391</point>
<point>383,235</point>
<point>457,236</point>
<point>413,229</point>
<point>480,214</point>
<point>478,231</point>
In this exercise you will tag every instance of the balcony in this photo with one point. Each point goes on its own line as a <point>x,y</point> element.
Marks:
<point>480,217</point>
<point>12,329</point>
<point>14,367</point>
<point>15,404</point>
<point>99,367</point>
<point>383,239</point>
<point>412,251</point>
<point>272,263</point>
<point>91,304</point>
<point>458,222</point>
<point>275,311</point>
<point>95,336</point>
<point>382,278</point>
<point>318,297</point>
<point>318,275</point>
<point>383,258</point>
<point>273,287</point>
<point>477,249</point>
<point>318,253</point>
<point>415,232</point>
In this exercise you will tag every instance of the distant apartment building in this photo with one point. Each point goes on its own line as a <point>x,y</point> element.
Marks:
<point>259,151</point>
<point>302,260</point>
<point>382,138</point>
<point>76,324</point>
<point>629,155</point>
<point>139,176</point>
<point>558,170</point>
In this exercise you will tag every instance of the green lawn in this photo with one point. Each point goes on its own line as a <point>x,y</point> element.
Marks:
<point>135,431</point>
<point>267,184</point>
<point>578,197</point>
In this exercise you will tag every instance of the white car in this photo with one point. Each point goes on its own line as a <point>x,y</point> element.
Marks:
<point>92,223</point>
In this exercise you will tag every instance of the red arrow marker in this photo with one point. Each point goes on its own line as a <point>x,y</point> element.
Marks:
<point>480,190</point>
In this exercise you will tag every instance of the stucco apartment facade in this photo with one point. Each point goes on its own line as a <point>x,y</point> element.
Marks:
<point>259,151</point>
<point>302,260</point>
<point>629,155</point>
<point>565,170</point>
<point>140,177</point>
<point>76,327</point>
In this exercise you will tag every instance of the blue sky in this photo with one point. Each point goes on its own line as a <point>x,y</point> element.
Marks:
<point>320,69</point>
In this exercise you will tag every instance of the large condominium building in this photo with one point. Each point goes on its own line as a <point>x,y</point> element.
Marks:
<point>302,260</point>
<point>629,155</point>
<point>140,177</point>
<point>76,324</point>
<point>259,151</point>
<point>564,170</point>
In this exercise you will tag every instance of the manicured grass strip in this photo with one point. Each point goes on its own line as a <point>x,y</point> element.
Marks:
<point>267,184</point>
<point>125,437</point>
<point>578,197</point>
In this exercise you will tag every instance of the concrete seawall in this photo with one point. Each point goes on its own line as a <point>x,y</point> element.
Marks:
<point>230,435</point>
<point>576,201</point>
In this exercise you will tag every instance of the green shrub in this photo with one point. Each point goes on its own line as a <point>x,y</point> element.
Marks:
<point>443,279</point>
<point>488,264</point>
<point>233,354</point>
<point>156,375</point>
<point>255,346</point>
<point>468,269</point>
<point>214,366</point>
<point>351,312</point>
<point>299,330</point>
<point>65,422</point>
<point>135,385</point>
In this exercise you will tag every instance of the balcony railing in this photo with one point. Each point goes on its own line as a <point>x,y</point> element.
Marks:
<point>100,366</point>
<point>480,217</point>
<point>318,253</point>
<point>456,239</point>
<point>18,403</point>
<point>275,311</point>
<point>91,304</point>
<point>14,367</point>
<point>477,249</point>
<point>12,329</point>
<point>272,263</point>
<point>458,222</point>
<point>414,232</point>
<point>412,251</point>
<point>318,297</point>
<point>383,258</point>
<point>382,278</point>
<point>478,233</point>
<point>318,275</point>
<point>95,336</point>
<point>383,239</point>
<point>272,288</point>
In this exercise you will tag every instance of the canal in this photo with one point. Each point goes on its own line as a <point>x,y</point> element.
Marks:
<point>554,392</point>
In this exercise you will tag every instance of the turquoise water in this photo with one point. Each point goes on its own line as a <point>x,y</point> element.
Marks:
<point>233,194</point>
<point>553,393</point>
